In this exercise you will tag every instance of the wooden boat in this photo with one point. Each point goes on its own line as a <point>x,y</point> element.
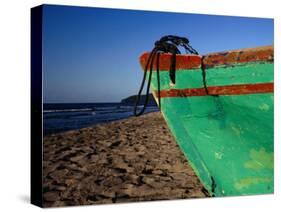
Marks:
<point>226,130</point>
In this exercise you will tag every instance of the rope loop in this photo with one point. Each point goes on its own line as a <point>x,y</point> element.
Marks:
<point>167,44</point>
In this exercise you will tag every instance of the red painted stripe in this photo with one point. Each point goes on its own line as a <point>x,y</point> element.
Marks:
<point>259,54</point>
<point>219,90</point>
<point>183,62</point>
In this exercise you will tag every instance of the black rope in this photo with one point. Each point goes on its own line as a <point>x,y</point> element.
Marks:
<point>203,68</point>
<point>142,85</point>
<point>167,44</point>
<point>158,78</point>
<point>214,185</point>
<point>172,71</point>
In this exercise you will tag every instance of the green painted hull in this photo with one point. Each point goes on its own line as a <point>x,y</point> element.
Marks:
<point>228,139</point>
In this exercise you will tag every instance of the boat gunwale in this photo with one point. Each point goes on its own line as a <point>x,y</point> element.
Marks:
<point>225,58</point>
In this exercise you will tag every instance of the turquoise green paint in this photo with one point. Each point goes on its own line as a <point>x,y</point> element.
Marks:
<point>240,74</point>
<point>184,79</point>
<point>228,137</point>
<point>224,75</point>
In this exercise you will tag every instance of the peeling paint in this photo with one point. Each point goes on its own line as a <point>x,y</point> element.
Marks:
<point>218,155</point>
<point>246,182</point>
<point>238,131</point>
<point>260,160</point>
<point>264,107</point>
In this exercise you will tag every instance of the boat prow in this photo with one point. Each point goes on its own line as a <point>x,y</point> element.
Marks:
<point>220,111</point>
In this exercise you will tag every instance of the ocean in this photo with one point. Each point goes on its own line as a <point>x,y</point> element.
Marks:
<point>62,117</point>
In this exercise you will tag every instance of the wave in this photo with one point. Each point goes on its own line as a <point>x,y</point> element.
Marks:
<point>100,110</point>
<point>105,108</point>
<point>68,110</point>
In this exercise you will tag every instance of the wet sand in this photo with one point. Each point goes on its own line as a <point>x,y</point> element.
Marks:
<point>135,159</point>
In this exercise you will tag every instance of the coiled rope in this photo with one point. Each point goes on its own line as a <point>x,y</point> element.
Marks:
<point>167,44</point>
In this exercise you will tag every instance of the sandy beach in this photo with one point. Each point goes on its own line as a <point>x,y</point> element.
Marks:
<point>135,159</point>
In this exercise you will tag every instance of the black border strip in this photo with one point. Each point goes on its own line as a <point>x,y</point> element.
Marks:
<point>36,105</point>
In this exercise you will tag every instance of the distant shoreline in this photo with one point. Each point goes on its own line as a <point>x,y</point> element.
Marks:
<point>127,100</point>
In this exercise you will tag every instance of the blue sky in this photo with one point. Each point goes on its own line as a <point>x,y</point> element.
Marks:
<point>91,54</point>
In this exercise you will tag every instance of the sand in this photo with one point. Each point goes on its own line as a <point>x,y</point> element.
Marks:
<point>136,159</point>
